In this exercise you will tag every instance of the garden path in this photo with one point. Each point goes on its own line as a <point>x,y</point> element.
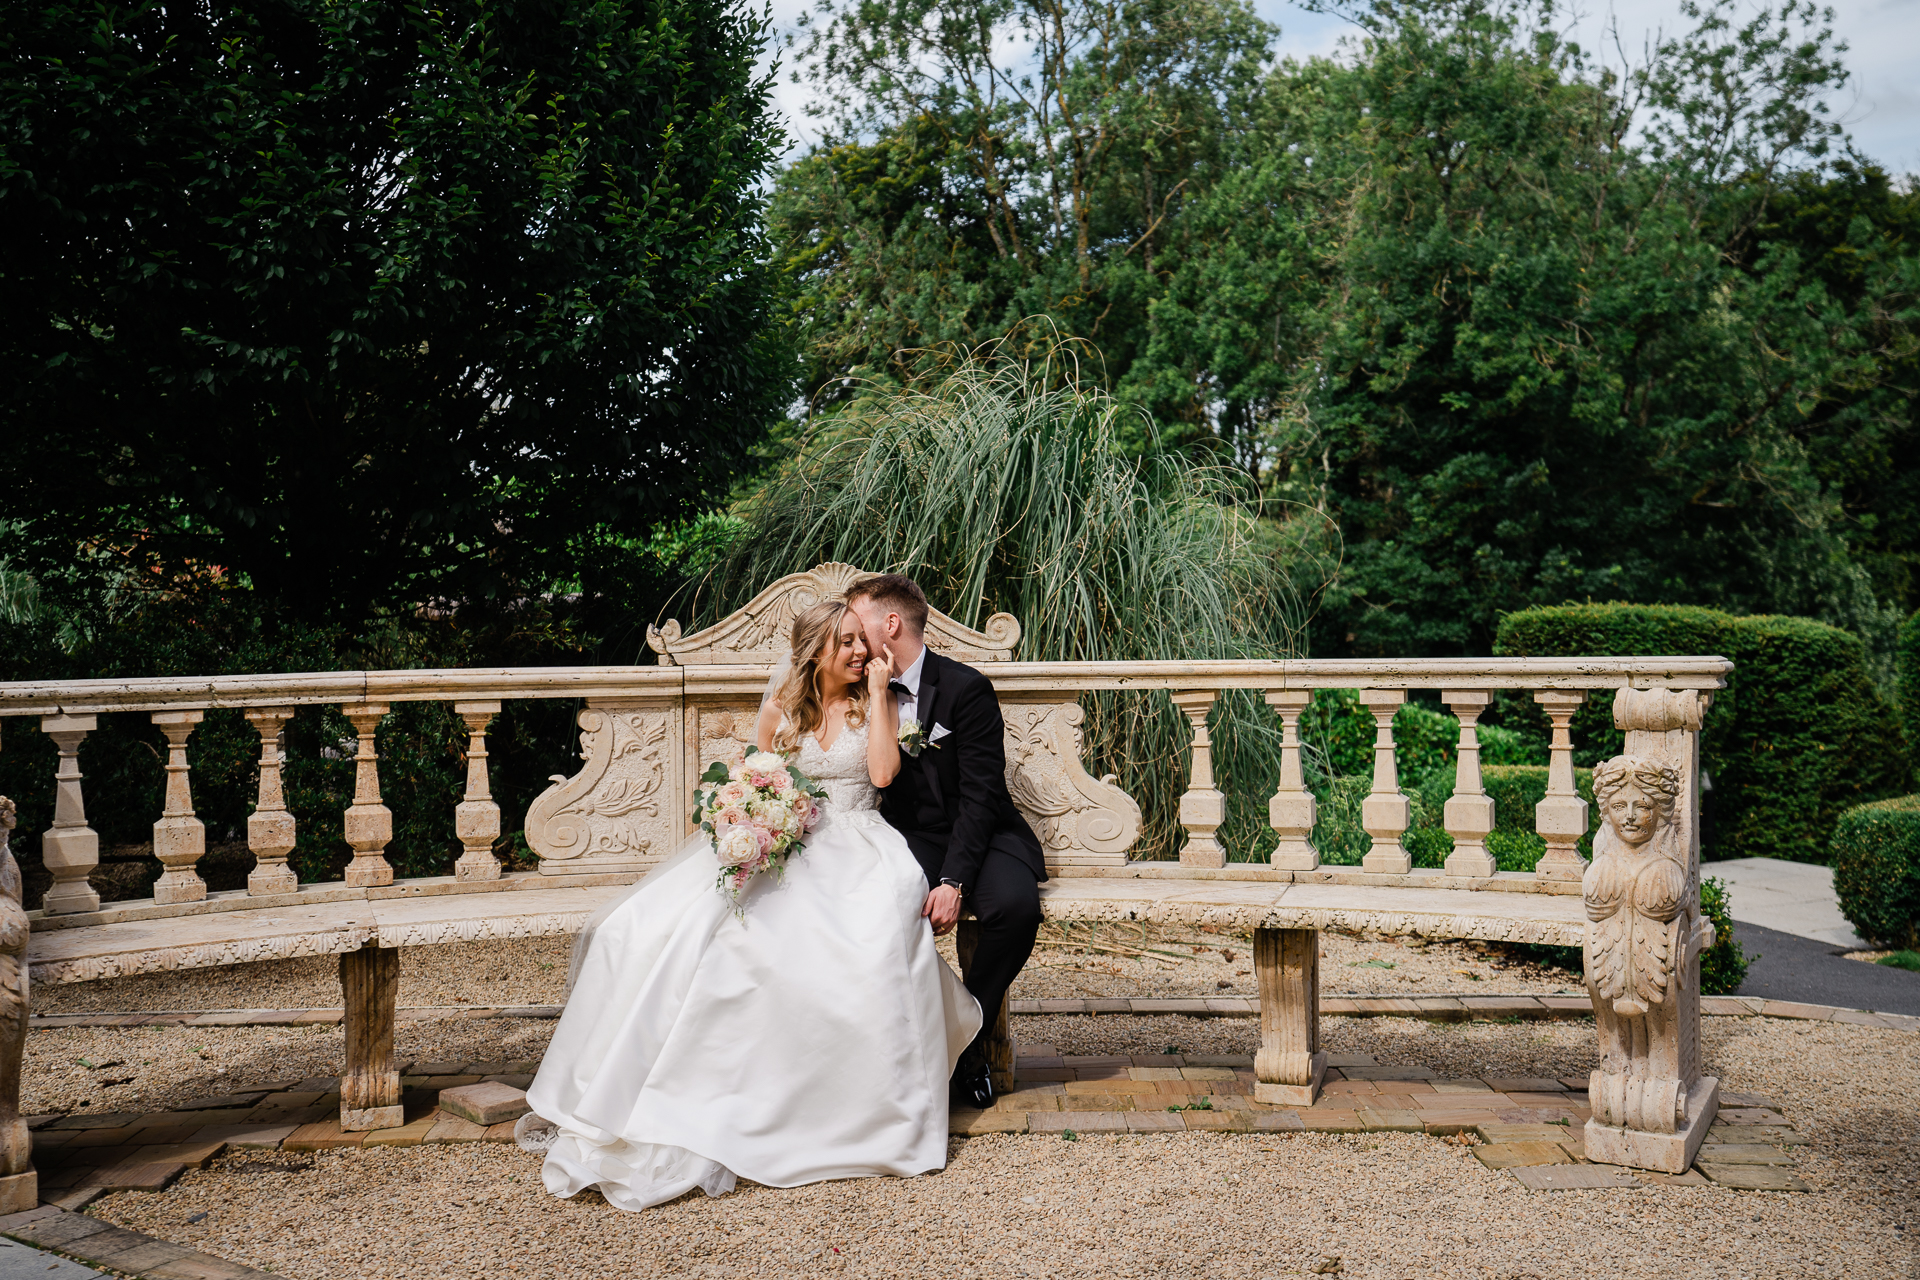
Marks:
<point>1789,897</point>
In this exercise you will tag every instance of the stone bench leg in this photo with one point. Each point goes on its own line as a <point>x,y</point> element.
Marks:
<point>1290,1065</point>
<point>999,1036</point>
<point>370,1086</point>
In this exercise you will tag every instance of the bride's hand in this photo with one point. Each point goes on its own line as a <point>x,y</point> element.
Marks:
<point>879,671</point>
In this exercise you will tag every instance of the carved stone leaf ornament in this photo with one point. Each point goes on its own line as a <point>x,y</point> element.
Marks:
<point>617,812</point>
<point>1079,819</point>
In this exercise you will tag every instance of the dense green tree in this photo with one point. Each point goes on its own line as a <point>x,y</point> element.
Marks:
<point>370,302</point>
<point>1523,328</point>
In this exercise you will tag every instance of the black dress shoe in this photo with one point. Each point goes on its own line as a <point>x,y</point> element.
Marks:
<point>971,1088</point>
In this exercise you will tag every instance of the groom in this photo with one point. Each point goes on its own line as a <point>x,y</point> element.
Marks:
<point>952,805</point>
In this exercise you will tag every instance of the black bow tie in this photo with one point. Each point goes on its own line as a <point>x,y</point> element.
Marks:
<point>894,686</point>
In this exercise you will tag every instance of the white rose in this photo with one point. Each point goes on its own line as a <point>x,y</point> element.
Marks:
<point>776,816</point>
<point>736,846</point>
<point>765,762</point>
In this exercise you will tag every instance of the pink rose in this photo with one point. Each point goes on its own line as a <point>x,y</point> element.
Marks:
<point>732,794</point>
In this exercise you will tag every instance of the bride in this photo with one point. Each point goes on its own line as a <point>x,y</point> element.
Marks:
<point>810,1036</point>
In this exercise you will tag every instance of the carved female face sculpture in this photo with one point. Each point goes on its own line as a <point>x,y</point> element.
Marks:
<point>1633,814</point>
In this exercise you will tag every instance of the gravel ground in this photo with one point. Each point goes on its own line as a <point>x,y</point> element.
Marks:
<point>1180,962</point>
<point>1390,1206</point>
<point>156,1068</point>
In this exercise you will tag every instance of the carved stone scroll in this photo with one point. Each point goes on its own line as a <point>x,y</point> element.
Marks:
<point>476,819</point>
<point>1290,1066</point>
<point>1645,933</point>
<point>626,809</point>
<point>70,848</point>
<point>179,838</point>
<point>759,633</point>
<point>1082,821</point>
<point>19,1184</point>
<point>270,828</point>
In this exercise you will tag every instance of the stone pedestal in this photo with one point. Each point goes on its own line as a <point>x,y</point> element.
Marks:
<point>1663,1152</point>
<point>1290,1065</point>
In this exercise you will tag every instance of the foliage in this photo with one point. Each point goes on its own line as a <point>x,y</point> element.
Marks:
<point>421,745</point>
<point>363,304</point>
<point>1723,965</point>
<point>1800,733</point>
<point>1908,960</point>
<point>1907,687</point>
<point>1525,329</point>
<point>1004,488</point>
<point>1876,870</point>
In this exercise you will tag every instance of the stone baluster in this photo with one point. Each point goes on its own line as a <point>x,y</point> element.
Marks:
<point>1202,808</point>
<point>1469,813</point>
<point>477,818</point>
<point>70,849</point>
<point>1385,813</point>
<point>1292,811</point>
<point>270,828</point>
<point>179,838</point>
<point>1561,818</point>
<point>369,824</point>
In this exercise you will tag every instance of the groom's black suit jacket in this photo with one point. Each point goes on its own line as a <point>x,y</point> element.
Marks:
<point>952,803</point>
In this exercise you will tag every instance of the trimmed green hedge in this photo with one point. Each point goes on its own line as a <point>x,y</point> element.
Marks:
<point>1723,966</point>
<point>1800,734</point>
<point>1876,870</point>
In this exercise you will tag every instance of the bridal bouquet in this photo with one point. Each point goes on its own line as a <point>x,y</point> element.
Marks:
<point>757,813</point>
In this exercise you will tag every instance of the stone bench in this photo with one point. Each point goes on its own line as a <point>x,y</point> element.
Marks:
<point>648,732</point>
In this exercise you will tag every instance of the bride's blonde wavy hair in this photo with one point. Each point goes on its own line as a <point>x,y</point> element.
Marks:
<point>803,705</point>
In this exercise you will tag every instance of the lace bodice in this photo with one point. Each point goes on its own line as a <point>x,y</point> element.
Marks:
<point>841,770</point>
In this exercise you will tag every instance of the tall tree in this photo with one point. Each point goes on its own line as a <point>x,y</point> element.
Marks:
<point>368,302</point>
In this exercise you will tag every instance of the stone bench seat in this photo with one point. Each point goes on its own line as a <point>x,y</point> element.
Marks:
<point>204,940</point>
<point>366,933</point>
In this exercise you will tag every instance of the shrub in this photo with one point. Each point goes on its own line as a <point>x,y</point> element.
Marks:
<point>1723,966</point>
<point>1876,870</point>
<point>1800,733</point>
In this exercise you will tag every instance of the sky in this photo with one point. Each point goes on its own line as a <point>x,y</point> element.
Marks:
<point>1880,105</point>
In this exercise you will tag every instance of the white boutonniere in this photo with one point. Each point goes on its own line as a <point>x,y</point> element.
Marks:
<point>913,738</point>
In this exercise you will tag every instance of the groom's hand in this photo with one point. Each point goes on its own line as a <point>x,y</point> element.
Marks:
<point>943,909</point>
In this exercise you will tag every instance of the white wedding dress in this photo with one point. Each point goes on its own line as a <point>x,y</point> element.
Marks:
<point>811,1037</point>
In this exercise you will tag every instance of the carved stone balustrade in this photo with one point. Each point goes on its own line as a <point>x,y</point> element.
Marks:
<point>647,732</point>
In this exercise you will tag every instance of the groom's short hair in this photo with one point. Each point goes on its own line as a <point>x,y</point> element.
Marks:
<point>896,592</point>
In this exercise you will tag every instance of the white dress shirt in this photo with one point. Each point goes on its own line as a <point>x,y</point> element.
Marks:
<point>909,702</point>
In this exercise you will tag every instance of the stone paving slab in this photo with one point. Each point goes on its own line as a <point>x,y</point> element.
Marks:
<point>122,1251</point>
<point>1752,1177</point>
<point>1573,1177</point>
<point>23,1262</point>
